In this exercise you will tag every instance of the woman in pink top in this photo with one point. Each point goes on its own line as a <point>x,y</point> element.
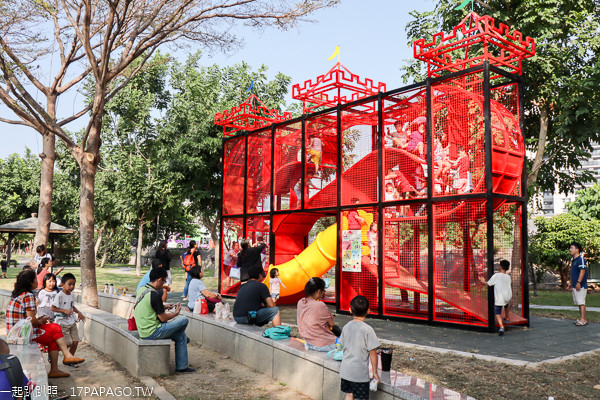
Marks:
<point>315,322</point>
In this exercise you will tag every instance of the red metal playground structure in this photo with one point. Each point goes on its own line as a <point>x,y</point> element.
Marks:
<point>426,182</point>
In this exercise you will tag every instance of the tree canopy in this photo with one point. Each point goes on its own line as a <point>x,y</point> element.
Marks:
<point>549,246</point>
<point>587,204</point>
<point>562,103</point>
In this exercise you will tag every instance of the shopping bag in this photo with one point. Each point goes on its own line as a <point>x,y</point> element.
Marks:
<point>234,273</point>
<point>21,332</point>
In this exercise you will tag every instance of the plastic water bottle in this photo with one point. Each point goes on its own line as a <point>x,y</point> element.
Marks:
<point>106,288</point>
<point>373,385</point>
<point>111,290</point>
<point>338,344</point>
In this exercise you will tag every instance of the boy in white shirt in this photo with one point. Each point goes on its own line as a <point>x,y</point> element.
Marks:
<point>66,312</point>
<point>501,282</point>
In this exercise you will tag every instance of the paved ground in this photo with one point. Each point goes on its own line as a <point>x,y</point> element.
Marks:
<point>546,338</point>
<point>569,308</point>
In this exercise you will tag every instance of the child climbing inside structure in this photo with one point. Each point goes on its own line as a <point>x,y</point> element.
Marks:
<point>462,179</point>
<point>315,149</point>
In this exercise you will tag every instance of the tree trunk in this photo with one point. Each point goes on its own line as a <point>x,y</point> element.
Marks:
<point>533,280</point>
<point>48,157</point>
<point>99,239</point>
<point>86,228</point>
<point>564,276</point>
<point>541,147</point>
<point>106,244</point>
<point>138,255</point>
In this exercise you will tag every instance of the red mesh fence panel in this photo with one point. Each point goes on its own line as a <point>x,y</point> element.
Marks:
<point>460,259</point>
<point>359,155</point>
<point>233,177</point>
<point>405,145</point>
<point>288,168</point>
<point>405,290</point>
<point>258,197</point>
<point>508,246</point>
<point>507,140</point>
<point>257,229</point>
<point>321,161</point>
<point>232,235</point>
<point>359,273</point>
<point>458,129</point>
<point>329,277</point>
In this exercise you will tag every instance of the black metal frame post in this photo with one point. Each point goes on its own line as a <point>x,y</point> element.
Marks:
<point>220,255</point>
<point>431,253</point>
<point>489,188</point>
<point>380,183</point>
<point>524,232</point>
<point>338,264</point>
<point>245,213</point>
<point>303,162</point>
<point>272,205</point>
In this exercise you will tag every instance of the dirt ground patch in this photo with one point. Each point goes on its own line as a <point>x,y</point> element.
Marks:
<point>486,380</point>
<point>219,377</point>
<point>98,373</point>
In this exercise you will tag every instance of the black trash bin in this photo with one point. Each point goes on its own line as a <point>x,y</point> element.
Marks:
<point>386,358</point>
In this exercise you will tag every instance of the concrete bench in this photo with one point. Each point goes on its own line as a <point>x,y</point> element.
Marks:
<point>310,372</point>
<point>109,334</point>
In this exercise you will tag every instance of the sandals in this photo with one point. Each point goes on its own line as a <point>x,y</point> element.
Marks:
<point>579,323</point>
<point>59,374</point>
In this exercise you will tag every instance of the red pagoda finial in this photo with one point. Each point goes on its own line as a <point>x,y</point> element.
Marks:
<point>251,115</point>
<point>474,40</point>
<point>339,85</point>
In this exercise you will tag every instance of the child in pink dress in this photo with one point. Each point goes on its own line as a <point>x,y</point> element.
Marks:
<point>275,284</point>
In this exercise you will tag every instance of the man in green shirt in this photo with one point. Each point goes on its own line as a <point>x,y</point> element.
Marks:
<point>154,322</point>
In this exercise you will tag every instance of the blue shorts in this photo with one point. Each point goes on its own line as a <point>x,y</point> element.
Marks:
<point>263,316</point>
<point>498,309</point>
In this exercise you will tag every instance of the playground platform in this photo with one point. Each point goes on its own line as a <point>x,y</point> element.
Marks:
<point>547,340</point>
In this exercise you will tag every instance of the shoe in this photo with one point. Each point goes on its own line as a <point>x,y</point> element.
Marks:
<point>186,298</point>
<point>72,365</point>
<point>188,369</point>
<point>73,360</point>
<point>501,332</point>
<point>59,374</point>
<point>506,321</point>
<point>579,323</point>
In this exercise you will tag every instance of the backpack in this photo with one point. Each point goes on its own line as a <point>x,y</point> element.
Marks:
<point>188,262</point>
<point>14,371</point>
<point>278,332</point>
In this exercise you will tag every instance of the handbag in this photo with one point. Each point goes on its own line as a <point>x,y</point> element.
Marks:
<point>131,324</point>
<point>234,273</point>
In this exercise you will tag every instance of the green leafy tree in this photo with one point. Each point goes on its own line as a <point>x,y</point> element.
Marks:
<point>550,244</point>
<point>191,141</point>
<point>587,204</point>
<point>19,185</point>
<point>102,40</point>
<point>562,103</point>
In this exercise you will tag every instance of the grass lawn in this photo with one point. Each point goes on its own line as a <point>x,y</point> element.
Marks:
<point>557,297</point>
<point>121,276</point>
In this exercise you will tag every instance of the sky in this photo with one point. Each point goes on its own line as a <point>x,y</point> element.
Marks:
<point>371,35</point>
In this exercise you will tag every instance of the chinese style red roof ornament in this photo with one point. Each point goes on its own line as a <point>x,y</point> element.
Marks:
<point>251,115</point>
<point>337,86</point>
<point>473,41</point>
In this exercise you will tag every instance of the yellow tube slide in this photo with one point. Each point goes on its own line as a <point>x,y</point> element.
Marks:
<point>315,260</point>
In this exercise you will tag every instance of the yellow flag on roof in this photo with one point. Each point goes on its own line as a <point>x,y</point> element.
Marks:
<point>335,53</point>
